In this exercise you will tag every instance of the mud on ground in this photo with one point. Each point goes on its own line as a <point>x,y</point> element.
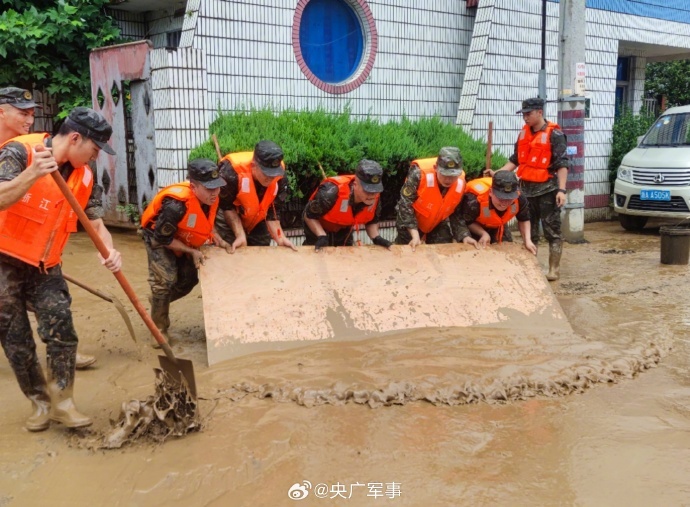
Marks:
<point>444,417</point>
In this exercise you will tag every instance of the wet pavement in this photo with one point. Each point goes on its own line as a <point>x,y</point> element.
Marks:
<point>446,417</point>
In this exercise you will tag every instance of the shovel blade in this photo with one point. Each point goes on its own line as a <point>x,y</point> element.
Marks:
<point>184,368</point>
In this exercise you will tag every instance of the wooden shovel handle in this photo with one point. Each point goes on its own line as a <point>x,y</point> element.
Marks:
<point>105,253</point>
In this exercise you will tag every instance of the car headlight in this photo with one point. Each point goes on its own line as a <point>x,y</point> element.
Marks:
<point>625,174</point>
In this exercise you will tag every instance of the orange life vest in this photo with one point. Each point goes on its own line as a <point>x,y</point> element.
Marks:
<point>341,215</point>
<point>488,217</point>
<point>195,228</point>
<point>534,153</point>
<point>431,208</point>
<point>252,211</point>
<point>36,228</point>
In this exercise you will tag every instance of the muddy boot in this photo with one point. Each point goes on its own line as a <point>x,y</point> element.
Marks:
<point>40,419</point>
<point>33,385</point>
<point>160,309</point>
<point>84,361</point>
<point>555,251</point>
<point>61,365</point>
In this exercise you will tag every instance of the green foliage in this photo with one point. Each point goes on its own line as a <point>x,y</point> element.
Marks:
<point>131,211</point>
<point>671,79</point>
<point>626,129</point>
<point>338,142</point>
<point>46,43</point>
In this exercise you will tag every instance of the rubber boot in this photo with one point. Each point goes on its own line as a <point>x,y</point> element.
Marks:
<point>555,251</point>
<point>33,385</point>
<point>61,366</point>
<point>160,309</point>
<point>84,361</point>
<point>40,419</point>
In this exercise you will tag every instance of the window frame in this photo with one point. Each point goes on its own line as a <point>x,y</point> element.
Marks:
<point>370,35</point>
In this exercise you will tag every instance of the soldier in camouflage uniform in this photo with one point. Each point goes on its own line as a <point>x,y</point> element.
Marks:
<point>253,197</point>
<point>174,225</point>
<point>542,178</point>
<point>16,118</point>
<point>30,274</point>
<point>341,204</point>
<point>446,178</point>
<point>490,203</point>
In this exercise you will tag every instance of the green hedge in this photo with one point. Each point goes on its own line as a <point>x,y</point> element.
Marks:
<point>626,129</point>
<point>338,141</point>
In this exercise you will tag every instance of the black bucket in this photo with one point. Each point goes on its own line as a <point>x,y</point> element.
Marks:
<point>675,244</point>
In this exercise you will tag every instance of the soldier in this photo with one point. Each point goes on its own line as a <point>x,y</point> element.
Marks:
<point>16,113</point>
<point>490,203</point>
<point>250,203</point>
<point>175,224</point>
<point>16,118</point>
<point>430,201</point>
<point>341,204</point>
<point>542,166</point>
<point>36,223</point>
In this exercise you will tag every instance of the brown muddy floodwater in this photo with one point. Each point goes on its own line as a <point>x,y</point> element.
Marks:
<point>425,418</point>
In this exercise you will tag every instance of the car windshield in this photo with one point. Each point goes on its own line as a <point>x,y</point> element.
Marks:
<point>669,130</point>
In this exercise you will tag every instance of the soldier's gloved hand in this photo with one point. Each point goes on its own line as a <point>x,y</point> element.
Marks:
<point>321,242</point>
<point>378,240</point>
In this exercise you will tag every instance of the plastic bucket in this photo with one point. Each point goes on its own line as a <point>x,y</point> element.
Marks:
<point>675,244</point>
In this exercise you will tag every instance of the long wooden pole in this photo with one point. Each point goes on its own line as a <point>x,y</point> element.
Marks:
<point>489,140</point>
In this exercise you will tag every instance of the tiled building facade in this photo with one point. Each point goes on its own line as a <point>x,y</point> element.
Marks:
<point>467,64</point>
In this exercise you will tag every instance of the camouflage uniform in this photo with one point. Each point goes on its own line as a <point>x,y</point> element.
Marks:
<point>325,198</point>
<point>542,196</point>
<point>25,287</point>
<point>449,229</point>
<point>259,235</point>
<point>170,277</point>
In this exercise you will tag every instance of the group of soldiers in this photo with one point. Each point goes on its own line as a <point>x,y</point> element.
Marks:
<point>233,203</point>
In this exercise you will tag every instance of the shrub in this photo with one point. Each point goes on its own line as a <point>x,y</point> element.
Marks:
<point>338,142</point>
<point>626,129</point>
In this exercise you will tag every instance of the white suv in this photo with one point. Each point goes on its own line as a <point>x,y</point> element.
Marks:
<point>654,178</point>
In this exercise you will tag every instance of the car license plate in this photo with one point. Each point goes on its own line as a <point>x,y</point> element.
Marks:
<point>655,195</point>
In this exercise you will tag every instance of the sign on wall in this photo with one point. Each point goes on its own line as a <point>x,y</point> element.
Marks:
<point>580,75</point>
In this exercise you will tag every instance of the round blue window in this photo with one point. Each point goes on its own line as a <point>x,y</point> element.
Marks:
<point>331,39</point>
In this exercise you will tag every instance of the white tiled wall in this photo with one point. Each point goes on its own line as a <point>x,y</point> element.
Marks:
<point>503,67</point>
<point>422,50</point>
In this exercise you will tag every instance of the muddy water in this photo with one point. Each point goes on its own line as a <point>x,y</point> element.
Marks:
<point>445,417</point>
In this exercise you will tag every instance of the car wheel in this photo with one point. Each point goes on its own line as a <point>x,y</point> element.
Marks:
<point>632,223</point>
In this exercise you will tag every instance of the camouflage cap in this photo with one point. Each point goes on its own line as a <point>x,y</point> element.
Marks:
<point>449,161</point>
<point>370,175</point>
<point>91,124</point>
<point>205,171</point>
<point>17,97</point>
<point>531,104</point>
<point>505,185</point>
<point>268,155</point>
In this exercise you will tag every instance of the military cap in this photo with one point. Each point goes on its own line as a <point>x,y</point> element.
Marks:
<point>449,161</point>
<point>531,104</point>
<point>205,171</point>
<point>505,185</point>
<point>91,124</point>
<point>268,155</point>
<point>370,175</point>
<point>17,97</point>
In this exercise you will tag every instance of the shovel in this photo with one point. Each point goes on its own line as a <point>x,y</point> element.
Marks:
<point>176,368</point>
<point>108,298</point>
